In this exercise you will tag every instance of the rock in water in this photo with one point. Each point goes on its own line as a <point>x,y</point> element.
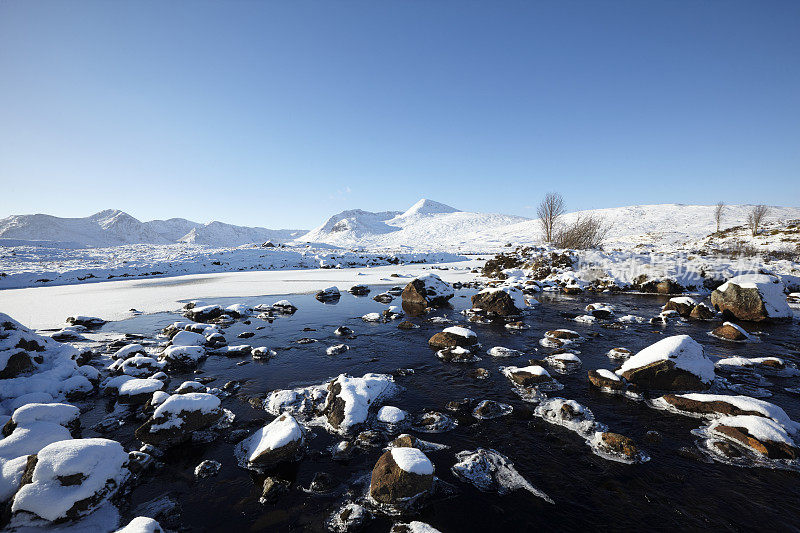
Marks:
<point>500,301</point>
<point>400,476</point>
<point>280,441</point>
<point>730,332</point>
<point>491,471</point>
<point>762,435</point>
<point>674,363</point>
<point>682,304</point>
<point>452,337</point>
<point>178,417</point>
<point>753,297</point>
<point>428,291</point>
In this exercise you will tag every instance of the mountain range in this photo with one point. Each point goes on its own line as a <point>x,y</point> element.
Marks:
<point>425,226</point>
<point>113,227</point>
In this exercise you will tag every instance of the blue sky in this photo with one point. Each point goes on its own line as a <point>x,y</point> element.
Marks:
<point>282,113</point>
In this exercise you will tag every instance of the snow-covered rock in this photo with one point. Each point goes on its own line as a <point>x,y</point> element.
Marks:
<point>674,363</point>
<point>762,435</point>
<point>500,301</point>
<point>72,478</point>
<point>400,476</point>
<point>752,297</point>
<point>719,405</point>
<point>350,399</point>
<point>178,417</point>
<point>427,291</point>
<point>278,442</point>
<point>452,337</point>
<point>141,524</point>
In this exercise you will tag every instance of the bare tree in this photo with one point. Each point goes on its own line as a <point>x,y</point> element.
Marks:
<point>756,218</point>
<point>549,211</point>
<point>718,213</point>
<point>587,231</point>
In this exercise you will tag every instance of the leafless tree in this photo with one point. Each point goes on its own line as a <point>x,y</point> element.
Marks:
<point>756,218</point>
<point>549,211</point>
<point>718,214</point>
<point>587,231</point>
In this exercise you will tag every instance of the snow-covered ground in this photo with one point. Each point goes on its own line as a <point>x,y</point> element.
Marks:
<point>47,307</point>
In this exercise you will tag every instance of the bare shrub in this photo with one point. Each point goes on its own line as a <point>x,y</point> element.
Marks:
<point>587,231</point>
<point>718,210</point>
<point>756,218</point>
<point>738,249</point>
<point>549,211</point>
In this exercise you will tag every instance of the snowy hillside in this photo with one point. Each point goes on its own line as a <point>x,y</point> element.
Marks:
<point>113,228</point>
<point>430,225</point>
<point>427,225</point>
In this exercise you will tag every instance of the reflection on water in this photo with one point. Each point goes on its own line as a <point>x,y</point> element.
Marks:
<point>676,489</point>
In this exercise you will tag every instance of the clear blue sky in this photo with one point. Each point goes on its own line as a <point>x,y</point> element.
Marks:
<point>282,113</point>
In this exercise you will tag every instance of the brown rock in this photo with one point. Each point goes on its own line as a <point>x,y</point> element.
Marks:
<point>702,312</point>
<point>620,444</point>
<point>664,375</point>
<point>728,332</point>
<point>562,334</point>
<point>528,379</point>
<point>416,293</point>
<point>445,339</point>
<point>773,450</point>
<point>605,383</point>
<point>406,325</point>
<point>682,308</point>
<point>710,407</point>
<point>392,484</point>
<point>498,302</point>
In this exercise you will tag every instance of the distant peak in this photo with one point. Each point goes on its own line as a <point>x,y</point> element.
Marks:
<point>428,207</point>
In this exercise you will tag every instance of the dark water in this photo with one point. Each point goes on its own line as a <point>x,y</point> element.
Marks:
<point>674,490</point>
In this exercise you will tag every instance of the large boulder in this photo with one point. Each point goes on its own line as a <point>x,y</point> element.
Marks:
<point>280,441</point>
<point>452,337</point>
<point>178,417</point>
<point>753,297</point>
<point>400,476</point>
<point>428,291</point>
<point>71,478</point>
<point>351,400</point>
<point>501,301</point>
<point>674,363</point>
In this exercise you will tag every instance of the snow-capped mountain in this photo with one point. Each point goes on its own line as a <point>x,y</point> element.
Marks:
<point>429,225</point>
<point>113,227</point>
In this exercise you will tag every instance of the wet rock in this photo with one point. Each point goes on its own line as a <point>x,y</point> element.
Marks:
<point>285,307</point>
<point>674,363</point>
<point>653,437</point>
<point>280,441</point>
<point>370,439</point>
<point>518,326</point>
<point>702,312</point>
<point>683,305</point>
<point>350,517</point>
<point>605,379</point>
<point>619,354</point>
<point>452,337</point>
<point>428,291</point>
<point>272,489</point>
<point>599,310</point>
<point>479,373</point>
<point>528,376</point>
<point>730,332</point>
<point>457,354</point>
<point>343,331</point>
<point>178,417</point>
<point>207,468</point>
<point>406,325</point>
<point>328,295</point>
<point>384,298</point>
<point>401,475</point>
<point>563,334</point>
<point>488,409</point>
<point>359,290</point>
<point>619,444</point>
<point>499,301</point>
<point>762,435</point>
<point>322,482</point>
